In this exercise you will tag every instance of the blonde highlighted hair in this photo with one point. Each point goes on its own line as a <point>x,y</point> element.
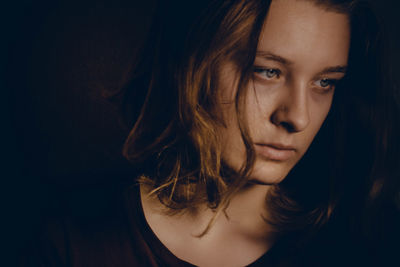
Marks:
<point>175,140</point>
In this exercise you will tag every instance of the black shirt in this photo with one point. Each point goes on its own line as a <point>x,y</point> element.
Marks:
<point>122,237</point>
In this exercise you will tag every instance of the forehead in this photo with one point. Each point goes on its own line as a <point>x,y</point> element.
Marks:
<point>300,30</point>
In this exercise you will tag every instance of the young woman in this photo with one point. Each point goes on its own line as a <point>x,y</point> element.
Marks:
<point>265,138</point>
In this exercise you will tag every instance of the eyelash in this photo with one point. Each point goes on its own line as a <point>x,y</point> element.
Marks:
<point>276,73</point>
<point>331,83</point>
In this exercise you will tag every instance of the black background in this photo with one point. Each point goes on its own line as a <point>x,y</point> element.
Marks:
<point>61,141</point>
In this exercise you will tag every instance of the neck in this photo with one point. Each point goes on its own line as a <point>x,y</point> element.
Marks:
<point>237,237</point>
<point>247,210</point>
<point>244,215</point>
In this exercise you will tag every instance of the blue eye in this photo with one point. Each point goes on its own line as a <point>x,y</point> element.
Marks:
<point>268,73</point>
<point>326,83</point>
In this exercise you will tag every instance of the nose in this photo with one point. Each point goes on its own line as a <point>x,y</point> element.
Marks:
<point>292,113</point>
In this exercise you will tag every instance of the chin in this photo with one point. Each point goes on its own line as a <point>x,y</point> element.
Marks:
<point>269,173</point>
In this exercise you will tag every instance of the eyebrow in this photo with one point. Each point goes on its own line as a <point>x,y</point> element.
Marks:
<point>335,69</point>
<point>282,60</point>
<point>271,56</point>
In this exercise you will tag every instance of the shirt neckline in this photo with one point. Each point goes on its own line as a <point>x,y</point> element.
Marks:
<point>164,255</point>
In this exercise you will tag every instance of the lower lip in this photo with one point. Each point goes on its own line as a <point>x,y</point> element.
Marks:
<point>272,153</point>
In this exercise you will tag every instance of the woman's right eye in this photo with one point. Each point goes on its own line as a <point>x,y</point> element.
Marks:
<point>268,73</point>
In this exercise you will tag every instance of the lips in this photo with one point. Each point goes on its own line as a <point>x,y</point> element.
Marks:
<point>275,152</point>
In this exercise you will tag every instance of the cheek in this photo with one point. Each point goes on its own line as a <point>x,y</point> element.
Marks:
<point>260,104</point>
<point>318,115</point>
<point>323,106</point>
<point>231,135</point>
<point>233,149</point>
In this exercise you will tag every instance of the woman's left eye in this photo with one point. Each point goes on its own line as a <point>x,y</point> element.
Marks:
<point>326,83</point>
<point>268,73</point>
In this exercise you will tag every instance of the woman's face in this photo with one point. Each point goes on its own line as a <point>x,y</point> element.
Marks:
<point>302,52</point>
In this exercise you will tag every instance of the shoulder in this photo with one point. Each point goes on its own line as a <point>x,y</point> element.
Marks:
<point>101,238</point>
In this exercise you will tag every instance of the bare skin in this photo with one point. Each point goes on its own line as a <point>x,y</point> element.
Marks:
<point>235,241</point>
<point>289,107</point>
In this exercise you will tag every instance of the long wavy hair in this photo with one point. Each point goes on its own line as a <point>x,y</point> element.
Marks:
<point>174,141</point>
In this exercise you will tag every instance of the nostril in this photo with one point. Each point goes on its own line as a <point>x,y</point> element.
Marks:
<point>288,126</point>
<point>293,120</point>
